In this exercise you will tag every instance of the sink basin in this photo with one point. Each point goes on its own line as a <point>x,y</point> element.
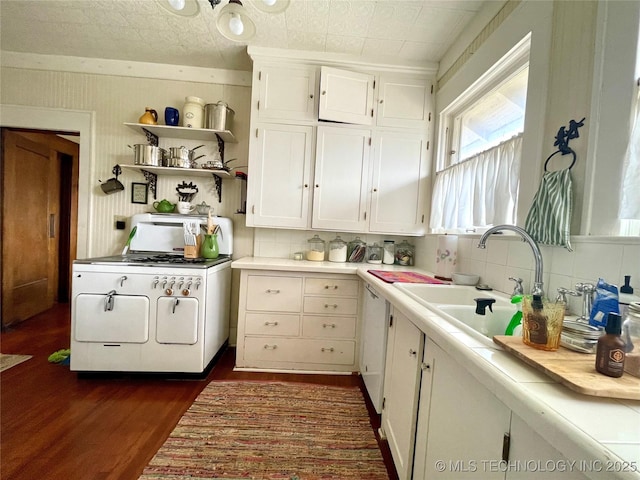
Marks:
<point>456,304</point>
<point>493,323</point>
<point>433,295</point>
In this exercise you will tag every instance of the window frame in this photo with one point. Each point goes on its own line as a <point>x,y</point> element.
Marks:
<point>449,129</point>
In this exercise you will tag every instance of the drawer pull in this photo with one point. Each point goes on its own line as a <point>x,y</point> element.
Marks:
<point>328,325</point>
<point>269,290</point>
<point>328,287</point>
<point>270,347</point>
<point>326,305</point>
<point>323,349</point>
<point>271,324</point>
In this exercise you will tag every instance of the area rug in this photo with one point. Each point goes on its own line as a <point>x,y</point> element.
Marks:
<point>7,361</point>
<point>274,431</point>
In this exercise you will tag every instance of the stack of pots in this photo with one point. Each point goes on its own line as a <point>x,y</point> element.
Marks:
<point>148,155</point>
<point>182,157</point>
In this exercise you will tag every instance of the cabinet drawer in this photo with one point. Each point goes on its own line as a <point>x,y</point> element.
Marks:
<point>331,305</point>
<point>330,286</point>
<point>272,324</point>
<point>298,350</point>
<point>278,294</point>
<point>328,327</point>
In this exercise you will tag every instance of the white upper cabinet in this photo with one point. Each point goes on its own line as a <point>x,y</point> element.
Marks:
<point>346,96</point>
<point>340,194</point>
<point>403,102</point>
<point>287,92</point>
<point>399,183</point>
<point>280,162</point>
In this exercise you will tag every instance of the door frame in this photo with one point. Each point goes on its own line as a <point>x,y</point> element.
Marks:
<point>56,119</point>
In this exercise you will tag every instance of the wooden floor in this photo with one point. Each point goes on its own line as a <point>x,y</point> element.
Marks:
<point>57,425</point>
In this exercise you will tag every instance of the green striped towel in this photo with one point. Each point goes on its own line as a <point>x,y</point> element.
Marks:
<point>549,219</point>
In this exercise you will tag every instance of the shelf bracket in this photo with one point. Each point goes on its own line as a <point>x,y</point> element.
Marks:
<point>218,181</point>
<point>151,138</point>
<point>151,179</point>
<point>220,146</point>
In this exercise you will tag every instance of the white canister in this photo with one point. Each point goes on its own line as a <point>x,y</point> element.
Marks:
<point>389,252</point>
<point>193,112</point>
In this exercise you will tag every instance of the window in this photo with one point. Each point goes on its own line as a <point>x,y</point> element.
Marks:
<point>478,169</point>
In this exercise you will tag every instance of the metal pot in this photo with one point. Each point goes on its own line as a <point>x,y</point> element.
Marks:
<point>218,116</point>
<point>149,155</point>
<point>182,153</point>
<point>181,162</point>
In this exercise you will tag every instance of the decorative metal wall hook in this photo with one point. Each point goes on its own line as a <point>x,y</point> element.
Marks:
<point>214,3</point>
<point>562,141</point>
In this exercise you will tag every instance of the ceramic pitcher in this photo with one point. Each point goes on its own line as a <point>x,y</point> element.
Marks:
<point>210,246</point>
<point>150,117</point>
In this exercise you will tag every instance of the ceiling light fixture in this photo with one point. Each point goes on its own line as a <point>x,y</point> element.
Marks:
<point>233,22</point>
<point>185,8</point>
<point>271,6</point>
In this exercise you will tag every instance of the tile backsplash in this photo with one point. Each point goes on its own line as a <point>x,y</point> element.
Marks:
<point>610,258</point>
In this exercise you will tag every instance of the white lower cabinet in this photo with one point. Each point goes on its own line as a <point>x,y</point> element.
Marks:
<point>297,321</point>
<point>401,387</point>
<point>464,431</point>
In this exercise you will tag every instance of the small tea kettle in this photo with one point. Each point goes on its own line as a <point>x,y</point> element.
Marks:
<point>150,117</point>
<point>164,206</point>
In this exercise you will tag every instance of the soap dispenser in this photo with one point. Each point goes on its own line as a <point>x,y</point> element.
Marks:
<point>515,325</point>
<point>481,312</point>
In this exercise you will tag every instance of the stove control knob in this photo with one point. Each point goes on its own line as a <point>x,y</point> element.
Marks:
<point>164,282</point>
<point>198,282</point>
<point>186,292</point>
<point>180,282</point>
<point>155,282</point>
<point>169,291</point>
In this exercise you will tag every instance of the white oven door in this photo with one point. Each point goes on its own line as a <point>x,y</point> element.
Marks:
<point>111,319</point>
<point>177,320</point>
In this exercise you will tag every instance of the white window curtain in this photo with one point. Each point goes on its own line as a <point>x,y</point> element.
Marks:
<point>480,191</point>
<point>630,202</point>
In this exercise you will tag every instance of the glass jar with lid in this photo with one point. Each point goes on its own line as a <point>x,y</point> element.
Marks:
<point>356,250</point>
<point>404,253</point>
<point>337,250</point>
<point>374,253</point>
<point>316,249</point>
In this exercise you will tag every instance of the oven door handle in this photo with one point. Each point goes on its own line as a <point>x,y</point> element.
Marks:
<point>176,302</point>
<point>108,302</point>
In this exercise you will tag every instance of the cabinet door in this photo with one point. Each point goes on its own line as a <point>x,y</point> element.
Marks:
<point>346,96</point>
<point>403,102</point>
<point>464,426</point>
<point>287,93</point>
<point>340,191</point>
<point>375,321</point>
<point>526,445</point>
<point>279,184</point>
<point>401,386</point>
<point>177,320</point>
<point>399,183</point>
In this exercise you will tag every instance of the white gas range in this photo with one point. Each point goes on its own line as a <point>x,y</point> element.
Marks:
<point>152,310</point>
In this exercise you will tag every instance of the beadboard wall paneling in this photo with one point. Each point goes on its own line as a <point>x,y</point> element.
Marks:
<point>116,100</point>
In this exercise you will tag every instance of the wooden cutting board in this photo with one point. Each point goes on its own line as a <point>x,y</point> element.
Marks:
<point>573,369</point>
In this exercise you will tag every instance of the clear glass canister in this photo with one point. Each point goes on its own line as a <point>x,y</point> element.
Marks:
<point>404,253</point>
<point>356,250</point>
<point>388,254</point>
<point>316,249</point>
<point>374,253</point>
<point>193,112</point>
<point>337,250</point>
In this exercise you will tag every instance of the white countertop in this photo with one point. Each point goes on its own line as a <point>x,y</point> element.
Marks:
<point>581,427</point>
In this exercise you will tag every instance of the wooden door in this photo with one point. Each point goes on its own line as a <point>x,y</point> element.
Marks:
<point>31,213</point>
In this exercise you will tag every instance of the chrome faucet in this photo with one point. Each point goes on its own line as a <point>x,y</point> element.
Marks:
<point>537,255</point>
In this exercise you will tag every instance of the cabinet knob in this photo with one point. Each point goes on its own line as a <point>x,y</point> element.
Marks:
<point>412,352</point>
<point>311,96</point>
<point>381,101</point>
<point>317,185</point>
<point>306,185</point>
<point>425,366</point>
<point>324,92</point>
<point>375,189</point>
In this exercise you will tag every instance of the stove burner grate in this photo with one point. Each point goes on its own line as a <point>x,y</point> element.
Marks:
<point>170,259</point>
